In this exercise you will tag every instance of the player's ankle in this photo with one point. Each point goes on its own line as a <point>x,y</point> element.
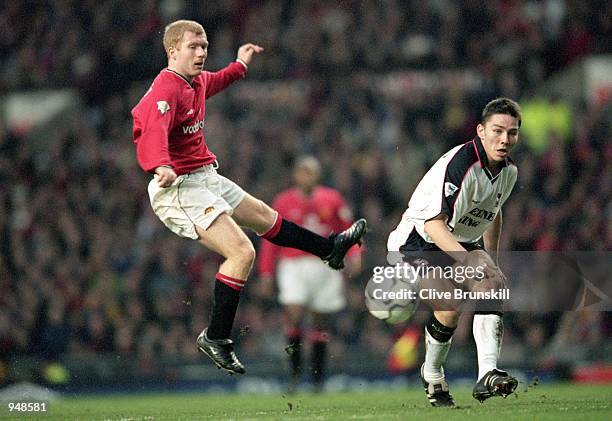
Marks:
<point>482,371</point>
<point>433,375</point>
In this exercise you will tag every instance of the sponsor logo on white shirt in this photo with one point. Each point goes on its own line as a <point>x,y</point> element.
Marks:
<point>449,189</point>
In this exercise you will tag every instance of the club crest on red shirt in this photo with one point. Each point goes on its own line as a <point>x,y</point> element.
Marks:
<point>163,107</point>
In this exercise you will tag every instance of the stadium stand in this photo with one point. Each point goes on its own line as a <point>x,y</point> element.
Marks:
<point>377,93</point>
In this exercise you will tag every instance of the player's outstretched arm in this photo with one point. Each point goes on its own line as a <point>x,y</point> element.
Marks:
<point>491,242</point>
<point>245,52</point>
<point>492,234</point>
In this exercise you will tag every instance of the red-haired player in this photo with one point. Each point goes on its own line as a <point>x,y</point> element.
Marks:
<point>192,199</point>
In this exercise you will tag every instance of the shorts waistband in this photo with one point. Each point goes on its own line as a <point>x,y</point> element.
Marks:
<point>208,169</point>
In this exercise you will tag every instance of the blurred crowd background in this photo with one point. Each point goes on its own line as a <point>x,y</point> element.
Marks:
<point>377,90</point>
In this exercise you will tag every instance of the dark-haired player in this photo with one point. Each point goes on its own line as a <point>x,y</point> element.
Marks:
<point>454,212</point>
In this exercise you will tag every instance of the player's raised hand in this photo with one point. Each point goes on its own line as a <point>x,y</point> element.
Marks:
<point>245,53</point>
<point>165,176</point>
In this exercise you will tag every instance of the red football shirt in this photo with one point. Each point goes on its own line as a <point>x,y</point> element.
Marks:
<point>169,119</point>
<point>322,212</point>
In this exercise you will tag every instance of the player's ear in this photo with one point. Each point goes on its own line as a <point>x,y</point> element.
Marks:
<point>480,130</point>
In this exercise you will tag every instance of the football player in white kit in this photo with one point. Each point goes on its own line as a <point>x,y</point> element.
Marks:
<point>454,218</point>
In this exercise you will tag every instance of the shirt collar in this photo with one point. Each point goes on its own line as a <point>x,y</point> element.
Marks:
<point>194,81</point>
<point>484,159</point>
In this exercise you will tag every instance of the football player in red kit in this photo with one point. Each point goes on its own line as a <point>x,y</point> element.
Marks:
<point>304,282</point>
<point>193,200</point>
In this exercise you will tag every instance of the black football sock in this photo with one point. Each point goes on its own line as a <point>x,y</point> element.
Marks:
<point>287,234</point>
<point>225,304</point>
<point>294,350</point>
<point>319,359</point>
<point>438,331</point>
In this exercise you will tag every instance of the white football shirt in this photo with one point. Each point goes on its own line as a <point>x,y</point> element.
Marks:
<point>461,186</point>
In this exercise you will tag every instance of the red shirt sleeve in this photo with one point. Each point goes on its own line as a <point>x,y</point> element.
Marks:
<point>215,82</point>
<point>153,120</point>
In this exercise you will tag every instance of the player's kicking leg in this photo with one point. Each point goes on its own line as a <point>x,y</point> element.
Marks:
<point>488,330</point>
<point>255,214</point>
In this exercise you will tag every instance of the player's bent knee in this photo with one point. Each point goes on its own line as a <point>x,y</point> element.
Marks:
<point>245,252</point>
<point>447,317</point>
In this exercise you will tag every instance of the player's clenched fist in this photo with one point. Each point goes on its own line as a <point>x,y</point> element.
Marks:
<point>245,53</point>
<point>165,176</point>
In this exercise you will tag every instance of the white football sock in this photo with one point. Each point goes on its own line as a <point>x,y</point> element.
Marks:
<point>435,355</point>
<point>488,330</point>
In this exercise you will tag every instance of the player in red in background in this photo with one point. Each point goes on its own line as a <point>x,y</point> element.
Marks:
<point>192,199</point>
<point>304,282</point>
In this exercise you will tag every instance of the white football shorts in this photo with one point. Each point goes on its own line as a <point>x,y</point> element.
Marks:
<point>309,282</point>
<point>197,198</point>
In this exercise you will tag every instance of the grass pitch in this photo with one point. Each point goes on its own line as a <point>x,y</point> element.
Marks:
<point>549,402</point>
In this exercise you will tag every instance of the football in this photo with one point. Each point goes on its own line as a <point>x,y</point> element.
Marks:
<point>392,298</point>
